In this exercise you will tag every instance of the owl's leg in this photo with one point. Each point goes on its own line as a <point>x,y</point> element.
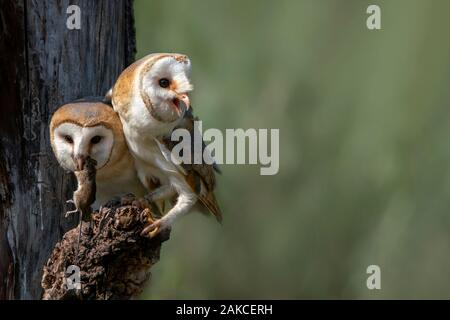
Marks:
<point>156,199</point>
<point>164,192</point>
<point>157,196</point>
<point>186,199</point>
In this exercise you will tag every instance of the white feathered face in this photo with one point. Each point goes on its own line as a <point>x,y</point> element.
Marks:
<point>72,144</point>
<point>167,84</point>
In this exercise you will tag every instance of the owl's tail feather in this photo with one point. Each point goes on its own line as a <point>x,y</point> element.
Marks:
<point>210,202</point>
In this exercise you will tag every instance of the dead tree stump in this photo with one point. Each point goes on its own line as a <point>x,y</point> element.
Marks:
<point>114,260</point>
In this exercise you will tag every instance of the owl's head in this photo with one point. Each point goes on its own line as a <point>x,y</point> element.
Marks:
<point>86,128</point>
<point>165,85</point>
<point>162,81</point>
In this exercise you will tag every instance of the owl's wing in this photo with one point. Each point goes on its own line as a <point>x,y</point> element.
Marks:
<point>200,177</point>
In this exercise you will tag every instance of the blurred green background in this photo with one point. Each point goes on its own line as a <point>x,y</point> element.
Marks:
<point>364,119</point>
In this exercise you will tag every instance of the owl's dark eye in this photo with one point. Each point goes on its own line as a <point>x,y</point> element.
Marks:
<point>96,139</point>
<point>164,83</point>
<point>68,139</point>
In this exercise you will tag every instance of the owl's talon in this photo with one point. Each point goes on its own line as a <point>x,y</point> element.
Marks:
<point>152,230</point>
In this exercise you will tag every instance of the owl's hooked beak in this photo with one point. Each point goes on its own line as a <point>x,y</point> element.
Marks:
<point>183,97</point>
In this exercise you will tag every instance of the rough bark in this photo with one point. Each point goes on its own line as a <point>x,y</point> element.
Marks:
<point>43,65</point>
<point>114,260</point>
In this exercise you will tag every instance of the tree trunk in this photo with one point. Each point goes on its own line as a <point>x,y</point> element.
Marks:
<point>44,64</point>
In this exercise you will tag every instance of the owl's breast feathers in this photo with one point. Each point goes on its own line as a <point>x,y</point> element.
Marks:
<point>200,177</point>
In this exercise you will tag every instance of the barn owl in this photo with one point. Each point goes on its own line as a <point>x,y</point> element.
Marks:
<point>91,128</point>
<point>151,98</point>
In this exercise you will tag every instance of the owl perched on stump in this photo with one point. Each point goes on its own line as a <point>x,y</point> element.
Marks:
<point>151,97</point>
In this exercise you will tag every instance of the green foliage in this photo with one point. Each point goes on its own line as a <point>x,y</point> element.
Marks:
<point>364,119</point>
